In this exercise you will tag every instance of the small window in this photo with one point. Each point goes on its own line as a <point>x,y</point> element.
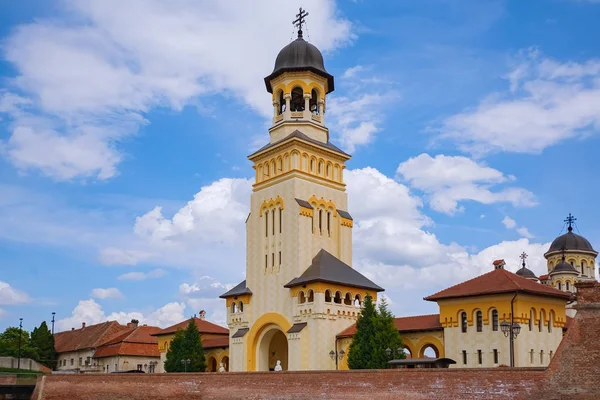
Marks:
<point>267,224</point>
<point>321,221</point>
<point>530,320</point>
<point>568,286</point>
<point>272,259</point>
<point>80,361</point>
<point>338,298</point>
<point>541,357</point>
<point>314,102</point>
<point>301,297</point>
<point>233,308</point>
<point>273,222</point>
<point>139,367</point>
<point>531,356</point>
<point>311,296</point>
<point>280,258</point>
<point>495,356</point>
<point>479,357</point>
<point>559,286</point>
<point>495,320</point>
<point>329,223</point>
<point>550,318</point>
<point>280,214</point>
<point>72,362</point>
<point>241,307</point>
<point>479,321</point>
<point>266,261</point>
<point>464,354</point>
<point>541,323</point>
<point>463,322</point>
<point>551,354</point>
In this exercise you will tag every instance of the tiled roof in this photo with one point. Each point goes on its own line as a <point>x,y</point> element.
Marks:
<point>133,342</point>
<point>299,135</point>
<point>89,337</point>
<point>215,342</point>
<point>543,277</point>
<point>495,282</point>
<point>326,267</point>
<point>203,327</point>
<point>415,323</point>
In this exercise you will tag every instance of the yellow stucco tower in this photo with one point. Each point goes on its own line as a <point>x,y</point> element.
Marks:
<point>300,290</point>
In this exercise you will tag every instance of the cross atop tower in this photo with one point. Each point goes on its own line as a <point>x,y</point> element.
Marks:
<point>570,219</point>
<point>523,257</point>
<point>299,21</point>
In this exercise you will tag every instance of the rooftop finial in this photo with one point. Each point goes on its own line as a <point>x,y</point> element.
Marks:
<point>564,250</point>
<point>570,219</point>
<point>299,21</point>
<point>523,257</point>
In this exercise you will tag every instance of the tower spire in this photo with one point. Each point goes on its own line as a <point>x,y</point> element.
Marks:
<point>299,21</point>
<point>570,220</point>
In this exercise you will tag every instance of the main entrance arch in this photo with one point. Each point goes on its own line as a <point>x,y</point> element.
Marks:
<point>272,347</point>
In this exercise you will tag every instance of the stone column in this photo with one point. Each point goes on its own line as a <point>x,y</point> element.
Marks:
<point>307,106</point>
<point>287,113</point>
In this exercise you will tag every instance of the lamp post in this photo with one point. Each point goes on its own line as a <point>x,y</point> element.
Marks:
<point>511,330</point>
<point>185,363</point>
<point>53,314</point>
<point>335,355</point>
<point>19,354</point>
<point>394,353</point>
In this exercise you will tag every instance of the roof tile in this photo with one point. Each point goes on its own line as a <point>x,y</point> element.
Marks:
<point>203,327</point>
<point>414,323</point>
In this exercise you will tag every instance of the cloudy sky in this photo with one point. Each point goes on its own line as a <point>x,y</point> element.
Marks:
<point>125,126</point>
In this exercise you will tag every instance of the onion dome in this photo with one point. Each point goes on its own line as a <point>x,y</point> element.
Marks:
<point>299,56</point>
<point>526,273</point>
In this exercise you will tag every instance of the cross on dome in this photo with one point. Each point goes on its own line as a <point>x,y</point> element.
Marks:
<point>299,21</point>
<point>570,220</point>
<point>523,257</point>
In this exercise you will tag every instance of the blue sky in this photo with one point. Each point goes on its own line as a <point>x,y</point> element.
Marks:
<point>124,131</point>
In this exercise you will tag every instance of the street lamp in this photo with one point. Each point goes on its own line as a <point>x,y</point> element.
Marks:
<point>394,353</point>
<point>53,314</point>
<point>512,331</point>
<point>20,330</point>
<point>185,363</point>
<point>335,355</point>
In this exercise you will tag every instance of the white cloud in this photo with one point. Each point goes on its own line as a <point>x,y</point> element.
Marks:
<point>448,180</point>
<point>547,102</point>
<point>523,231</point>
<point>142,276</point>
<point>352,72</point>
<point>83,73</point>
<point>108,293</point>
<point>90,312</point>
<point>12,296</point>
<point>509,223</point>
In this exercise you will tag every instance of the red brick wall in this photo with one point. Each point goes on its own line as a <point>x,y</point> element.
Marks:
<point>8,379</point>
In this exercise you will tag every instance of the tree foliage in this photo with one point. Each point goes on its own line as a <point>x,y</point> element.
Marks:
<point>43,341</point>
<point>375,333</point>
<point>9,344</point>
<point>186,345</point>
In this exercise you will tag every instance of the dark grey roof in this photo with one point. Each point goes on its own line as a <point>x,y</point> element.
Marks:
<point>409,361</point>
<point>326,267</point>
<point>563,267</point>
<point>570,241</point>
<point>237,290</point>
<point>344,214</point>
<point>240,333</point>
<point>526,273</point>
<point>303,203</point>
<point>297,327</point>
<point>300,135</point>
<point>299,56</point>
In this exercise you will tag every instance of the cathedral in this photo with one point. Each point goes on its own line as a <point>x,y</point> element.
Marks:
<point>297,307</point>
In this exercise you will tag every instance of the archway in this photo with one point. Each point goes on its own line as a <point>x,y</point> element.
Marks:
<point>225,362</point>
<point>429,351</point>
<point>273,347</point>
<point>212,365</point>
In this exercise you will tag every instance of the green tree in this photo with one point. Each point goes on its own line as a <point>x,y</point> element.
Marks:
<point>375,333</point>
<point>9,344</point>
<point>42,341</point>
<point>186,345</point>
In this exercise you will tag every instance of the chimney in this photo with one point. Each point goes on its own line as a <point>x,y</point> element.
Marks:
<point>82,325</point>
<point>499,264</point>
<point>72,329</point>
<point>202,315</point>
<point>133,324</point>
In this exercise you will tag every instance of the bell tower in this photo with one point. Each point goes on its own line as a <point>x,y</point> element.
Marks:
<point>300,290</point>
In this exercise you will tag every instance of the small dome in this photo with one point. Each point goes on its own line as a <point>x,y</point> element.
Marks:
<point>526,273</point>
<point>564,267</point>
<point>299,56</point>
<point>570,241</point>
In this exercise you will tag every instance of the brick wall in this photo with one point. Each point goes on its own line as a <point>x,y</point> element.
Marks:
<point>8,379</point>
<point>573,374</point>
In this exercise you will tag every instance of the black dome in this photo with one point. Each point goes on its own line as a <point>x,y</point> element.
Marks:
<point>563,267</point>
<point>299,56</point>
<point>526,273</point>
<point>570,241</point>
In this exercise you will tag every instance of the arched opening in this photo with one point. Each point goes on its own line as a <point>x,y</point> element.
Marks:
<point>314,102</point>
<point>407,352</point>
<point>297,101</point>
<point>312,165</point>
<point>494,320</point>
<point>429,351</point>
<point>225,362</point>
<point>550,318</point>
<point>583,265</point>
<point>357,301</point>
<point>328,296</point>
<point>559,286</point>
<point>301,298</point>
<point>338,298</point>
<point>348,299</point>
<point>281,100</point>
<point>463,322</point>
<point>479,318</point>
<point>241,307</point>
<point>311,296</point>
<point>211,365</point>
<point>531,318</point>
<point>568,286</point>
<point>541,322</point>
<point>273,347</point>
<point>233,308</point>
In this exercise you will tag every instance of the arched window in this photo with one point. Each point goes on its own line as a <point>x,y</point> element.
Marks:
<point>320,221</point>
<point>338,298</point>
<point>329,223</point>
<point>348,299</point>
<point>267,223</point>
<point>530,320</point>
<point>479,317</point>
<point>568,286</point>
<point>281,100</point>
<point>357,300</point>
<point>328,171</point>
<point>559,286</point>
<point>273,220</point>
<point>233,308</point>
<point>314,102</point>
<point>311,296</point>
<point>301,298</point>
<point>297,101</point>
<point>266,175</point>
<point>312,165</point>
<point>320,169</point>
<point>550,318</point>
<point>241,307</point>
<point>542,357</point>
<point>280,215</point>
<point>328,296</point>
<point>495,320</point>
<point>541,322</point>
<point>463,321</point>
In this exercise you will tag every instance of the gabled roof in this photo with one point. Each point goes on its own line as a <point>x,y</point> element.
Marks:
<point>326,267</point>
<point>495,282</point>
<point>89,337</point>
<point>215,342</point>
<point>203,327</point>
<point>299,135</point>
<point>133,342</point>
<point>237,290</point>
<point>415,323</point>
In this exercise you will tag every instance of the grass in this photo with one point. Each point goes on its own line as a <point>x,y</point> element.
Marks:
<point>21,372</point>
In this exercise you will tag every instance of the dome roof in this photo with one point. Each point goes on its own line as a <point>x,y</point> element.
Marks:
<point>570,241</point>
<point>526,273</point>
<point>299,56</point>
<point>564,267</point>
